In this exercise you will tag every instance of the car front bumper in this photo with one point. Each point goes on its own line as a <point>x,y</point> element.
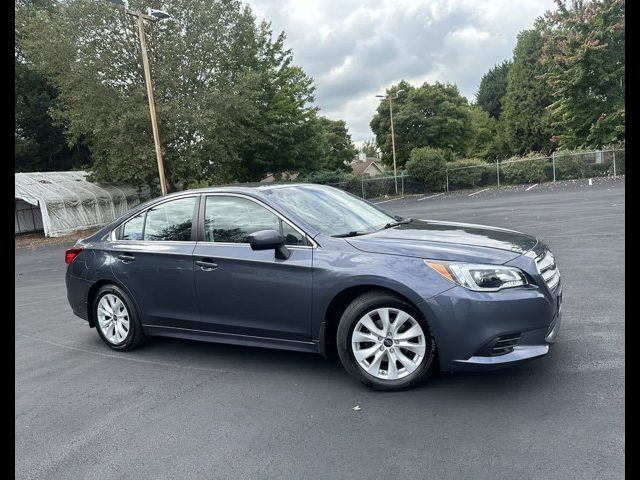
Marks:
<point>467,324</point>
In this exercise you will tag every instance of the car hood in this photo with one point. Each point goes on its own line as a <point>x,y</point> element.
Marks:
<point>447,241</point>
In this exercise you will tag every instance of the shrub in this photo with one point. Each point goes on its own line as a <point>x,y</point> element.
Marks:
<point>338,178</point>
<point>428,165</point>
<point>466,173</point>
<point>326,176</point>
<point>577,164</point>
<point>523,170</point>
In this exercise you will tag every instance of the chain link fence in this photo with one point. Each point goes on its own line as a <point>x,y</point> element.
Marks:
<point>524,170</point>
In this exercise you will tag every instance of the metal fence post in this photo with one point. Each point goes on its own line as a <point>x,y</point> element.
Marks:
<point>447,173</point>
<point>362,185</point>
<point>402,182</point>
<point>614,164</point>
<point>498,171</point>
<point>553,163</point>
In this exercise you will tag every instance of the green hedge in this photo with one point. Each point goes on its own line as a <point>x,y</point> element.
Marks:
<point>572,165</point>
<point>324,177</point>
<point>469,177</point>
<point>523,170</point>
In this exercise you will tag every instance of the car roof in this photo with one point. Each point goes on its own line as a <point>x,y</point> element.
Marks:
<point>244,188</point>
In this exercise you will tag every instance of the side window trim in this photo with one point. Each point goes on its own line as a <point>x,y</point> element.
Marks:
<point>116,233</point>
<point>144,222</point>
<point>309,242</point>
<point>195,223</point>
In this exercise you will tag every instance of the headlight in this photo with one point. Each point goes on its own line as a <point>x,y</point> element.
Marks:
<point>480,278</point>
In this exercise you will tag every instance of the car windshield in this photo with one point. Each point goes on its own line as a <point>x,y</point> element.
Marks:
<point>331,211</point>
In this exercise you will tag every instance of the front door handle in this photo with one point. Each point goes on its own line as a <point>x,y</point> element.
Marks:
<point>206,265</point>
<point>125,257</point>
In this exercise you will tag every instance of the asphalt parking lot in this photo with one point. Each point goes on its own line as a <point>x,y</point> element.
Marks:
<point>180,409</point>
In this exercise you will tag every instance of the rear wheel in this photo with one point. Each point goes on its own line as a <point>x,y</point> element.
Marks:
<point>117,322</point>
<point>385,342</point>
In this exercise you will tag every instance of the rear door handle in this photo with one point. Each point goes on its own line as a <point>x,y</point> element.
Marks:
<point>206,265</point>
<point>125,257</point>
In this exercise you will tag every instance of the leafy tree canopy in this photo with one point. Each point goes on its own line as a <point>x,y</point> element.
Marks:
<point>337,148</point>
<point>525,119</point>
<point>493,87</point>
<point>40,144</point>
<point>231,104</point>
<point>369,148</point>
<point>430,115</point>
<point>584,57</point>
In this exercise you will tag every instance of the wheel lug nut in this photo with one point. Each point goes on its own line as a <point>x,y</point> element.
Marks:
<point>379,338</point>
<point>397,341</point>
<point>391,350</point>
<point>382,348</point>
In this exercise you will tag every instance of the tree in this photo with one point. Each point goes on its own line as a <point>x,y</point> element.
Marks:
<point>430,115</point>
<point>493,87</point>
<point>369,148</point>
<point>524,117</point>
<point>286,133</point>
<point>231,104</point>
<point>585,60</point>
<point>483,142</point>
<point>40,144</point>
<point>428,165</point>
<point>337,148</point>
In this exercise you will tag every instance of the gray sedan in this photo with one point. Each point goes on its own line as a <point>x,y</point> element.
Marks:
<point>312,268</point>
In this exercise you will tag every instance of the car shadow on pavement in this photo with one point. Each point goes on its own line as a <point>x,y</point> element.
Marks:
<point>520,379</point>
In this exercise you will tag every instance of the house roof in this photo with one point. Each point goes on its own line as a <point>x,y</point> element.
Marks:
<point>359,166</point>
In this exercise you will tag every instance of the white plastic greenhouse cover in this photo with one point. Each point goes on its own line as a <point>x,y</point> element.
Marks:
<point>69,202</point>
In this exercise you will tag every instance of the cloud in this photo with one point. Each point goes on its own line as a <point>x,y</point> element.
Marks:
<point>355,49</point>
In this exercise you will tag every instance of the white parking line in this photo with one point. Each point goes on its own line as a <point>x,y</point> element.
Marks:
<point>390,200</point>
<point>534,185</point>
<point>479,191</point>
<point>430,196</point>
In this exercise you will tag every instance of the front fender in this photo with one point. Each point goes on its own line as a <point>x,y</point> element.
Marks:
<point>336,271</point>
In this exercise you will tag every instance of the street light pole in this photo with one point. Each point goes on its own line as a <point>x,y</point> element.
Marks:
<point>393,137</point>
<point>152,103</point>
<point>393,144</point>
<point>153,15</point>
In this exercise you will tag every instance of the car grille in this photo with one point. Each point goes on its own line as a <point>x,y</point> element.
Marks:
<point>547,267</point>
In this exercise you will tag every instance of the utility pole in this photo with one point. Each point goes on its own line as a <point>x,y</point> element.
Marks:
<point>393,136</point>
<point>152,104</point>
<point>153,15</point>
<point>393,144</point>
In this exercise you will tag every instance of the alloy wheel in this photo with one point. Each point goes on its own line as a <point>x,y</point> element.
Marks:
<point>113,318</point>
<point>388,343</point>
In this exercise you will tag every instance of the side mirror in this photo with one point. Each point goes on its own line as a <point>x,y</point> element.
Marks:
<point>269,240</point>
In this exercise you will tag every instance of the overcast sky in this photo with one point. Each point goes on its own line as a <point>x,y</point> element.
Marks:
<point>354,49</point>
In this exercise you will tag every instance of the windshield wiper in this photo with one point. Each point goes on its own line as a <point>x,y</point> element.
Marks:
<point>353,233</point>
<point>395,224</point>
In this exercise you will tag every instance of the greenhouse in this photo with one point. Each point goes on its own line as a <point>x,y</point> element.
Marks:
<point>59,203</point>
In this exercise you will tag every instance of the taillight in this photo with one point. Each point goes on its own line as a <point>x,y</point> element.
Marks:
<point>70,254</point>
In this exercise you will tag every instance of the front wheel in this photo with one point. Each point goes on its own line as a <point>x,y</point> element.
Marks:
<point>385,343</point>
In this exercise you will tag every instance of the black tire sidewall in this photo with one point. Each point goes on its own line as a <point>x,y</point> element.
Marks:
<point>350,317</point>
<point>134,324</point>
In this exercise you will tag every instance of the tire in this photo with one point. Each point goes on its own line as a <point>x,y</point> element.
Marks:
<point>404,344</point>
<point>127,320</point>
